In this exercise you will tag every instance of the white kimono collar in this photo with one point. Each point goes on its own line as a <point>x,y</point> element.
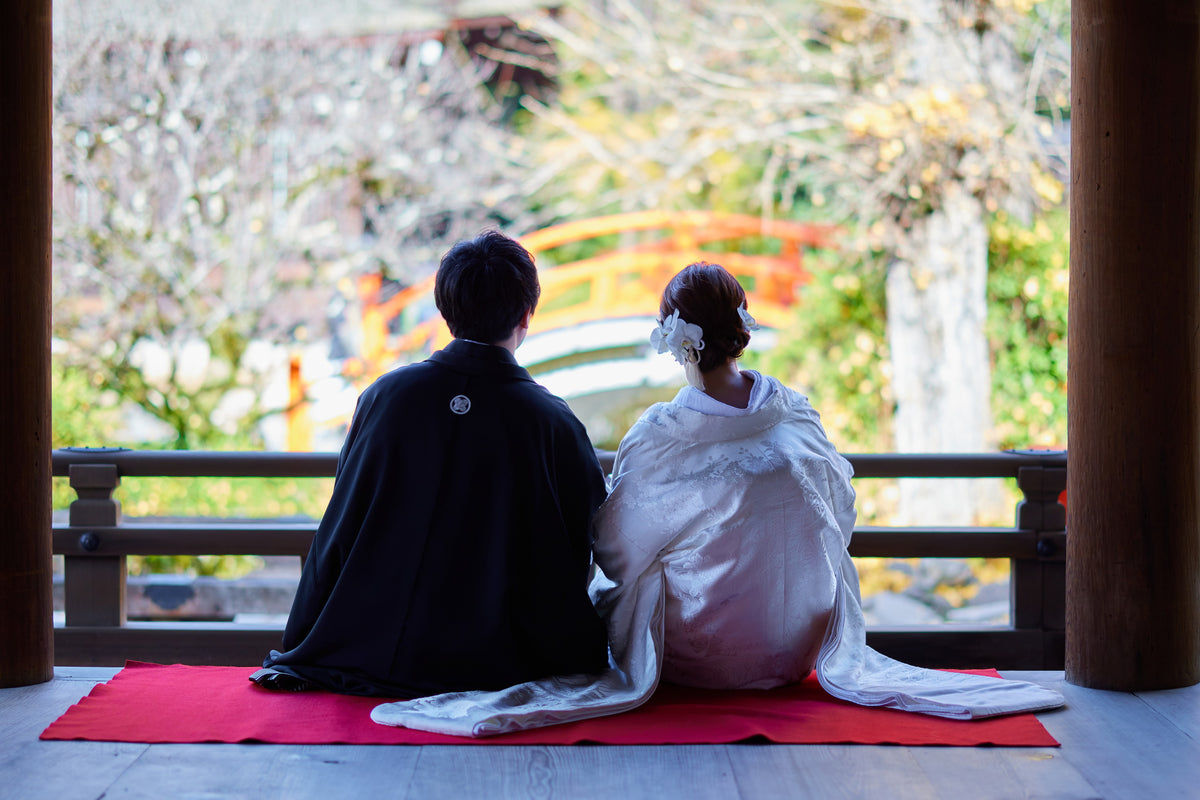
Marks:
<point>679,422</point>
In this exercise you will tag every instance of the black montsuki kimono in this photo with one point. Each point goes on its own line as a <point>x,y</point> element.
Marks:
<point>455,550</point>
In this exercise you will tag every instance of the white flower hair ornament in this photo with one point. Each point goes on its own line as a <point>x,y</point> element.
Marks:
<point>681,339</point>
<point>750,322</point>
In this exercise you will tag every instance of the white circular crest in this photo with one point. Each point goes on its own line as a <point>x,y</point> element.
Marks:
<point>460,404</point>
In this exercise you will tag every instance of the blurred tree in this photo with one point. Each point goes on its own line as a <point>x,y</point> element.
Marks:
<point>220,175</point>
<point>908,120</point>
<point>1027,324</point>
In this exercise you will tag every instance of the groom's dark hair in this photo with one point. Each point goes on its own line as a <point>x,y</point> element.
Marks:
<point>484,286</point>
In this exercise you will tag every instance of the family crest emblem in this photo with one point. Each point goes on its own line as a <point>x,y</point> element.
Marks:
<point>460,404</point>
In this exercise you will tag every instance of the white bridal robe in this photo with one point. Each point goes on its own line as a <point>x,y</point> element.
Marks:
<point>723,563</point>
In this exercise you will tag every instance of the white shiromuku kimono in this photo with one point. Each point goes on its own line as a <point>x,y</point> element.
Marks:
<point>723,563</point>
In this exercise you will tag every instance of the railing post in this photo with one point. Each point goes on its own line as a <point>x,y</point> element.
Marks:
<point>1038,587</point>
<point>94,585</point>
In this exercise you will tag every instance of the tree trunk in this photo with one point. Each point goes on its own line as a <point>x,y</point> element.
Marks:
<point>937,311</point>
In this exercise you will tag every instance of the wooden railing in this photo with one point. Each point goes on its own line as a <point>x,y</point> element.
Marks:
<point>95,542</point>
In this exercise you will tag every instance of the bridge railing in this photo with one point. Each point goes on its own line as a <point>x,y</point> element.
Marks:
<point>613,283</point>
<point>95,542</point>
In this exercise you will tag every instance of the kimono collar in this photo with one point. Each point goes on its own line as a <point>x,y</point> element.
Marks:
<point>476,358</point>
<point>680,422</point>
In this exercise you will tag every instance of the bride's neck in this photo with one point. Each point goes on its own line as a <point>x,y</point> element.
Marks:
<point>729,385</point>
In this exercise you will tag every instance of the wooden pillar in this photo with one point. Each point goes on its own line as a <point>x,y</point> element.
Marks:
<point>26,604</point>
<point>1133,557</point>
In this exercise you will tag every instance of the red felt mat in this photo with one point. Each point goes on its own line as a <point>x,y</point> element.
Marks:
<point>156,703</point>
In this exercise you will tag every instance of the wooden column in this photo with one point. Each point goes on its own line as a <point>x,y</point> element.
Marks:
<point>1133,557</point>
<point>26,604</point>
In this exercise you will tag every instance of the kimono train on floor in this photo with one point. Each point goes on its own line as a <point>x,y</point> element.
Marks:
<point>722,550</point>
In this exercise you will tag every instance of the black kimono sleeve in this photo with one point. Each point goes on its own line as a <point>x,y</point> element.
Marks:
<point>454,552</point>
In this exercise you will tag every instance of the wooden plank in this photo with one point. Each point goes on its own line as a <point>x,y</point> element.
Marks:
<point>580,773</point>
<point>94,590</point>
<point>322,772</point>
<point>1114,745</point>
<point>167,643</point>
<point>951,465</point>
<point>34,770</point>
<point>1122,745</point>
<point>828,771</point>
<point>958,648</point>
<point>26,711</point>
<point>1181,707</point>
<point>1002,773</point>
<point>1025,593</point>
<point>236,644</point>
<point>198,464</point>
<point>190,538</point>
<point>261,770</point>
<point>914,542</point>
<point>216,537</point>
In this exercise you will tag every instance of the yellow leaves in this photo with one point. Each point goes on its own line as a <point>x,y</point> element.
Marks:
<point>938,107</point>
<point>845,282</point>
<point>937,114</point>
<point>1060,278</point>
<point>1018,7</point>
<point>890,150</point>
<point>875,120</point>
<point>922,278</point>
<point>876,575</point>
<point>1047,186</point>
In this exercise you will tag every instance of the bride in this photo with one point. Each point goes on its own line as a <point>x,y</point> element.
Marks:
<point>722,553</point>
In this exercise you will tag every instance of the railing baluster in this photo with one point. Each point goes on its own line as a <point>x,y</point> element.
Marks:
<point>94,585</point>
<point>1038,587</point>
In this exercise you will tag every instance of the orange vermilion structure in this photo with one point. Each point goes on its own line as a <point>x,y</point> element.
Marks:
<point>624,282</point>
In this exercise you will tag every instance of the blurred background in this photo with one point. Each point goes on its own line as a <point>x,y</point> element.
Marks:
<point>250,200</point>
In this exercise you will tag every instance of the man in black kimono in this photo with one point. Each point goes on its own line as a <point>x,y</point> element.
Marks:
<point>455,550</point>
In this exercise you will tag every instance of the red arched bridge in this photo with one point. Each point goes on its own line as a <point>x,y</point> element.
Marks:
<point>624,281</point>
<point>594,312</point>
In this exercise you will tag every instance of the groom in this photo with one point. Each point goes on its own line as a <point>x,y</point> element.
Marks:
<point>455,550</point>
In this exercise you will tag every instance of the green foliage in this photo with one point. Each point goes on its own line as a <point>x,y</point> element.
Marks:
<point>86,415</point>
<point>1027,328</point>
<point>288,498</point>
<point>82,414</point>
<point>836,351</point>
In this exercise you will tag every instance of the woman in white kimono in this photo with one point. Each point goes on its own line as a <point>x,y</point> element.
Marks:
<point>722,553</point>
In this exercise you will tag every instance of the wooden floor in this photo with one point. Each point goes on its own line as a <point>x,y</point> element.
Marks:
<point>1114,745</point>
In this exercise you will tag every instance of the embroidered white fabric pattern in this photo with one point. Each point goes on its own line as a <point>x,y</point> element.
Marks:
<point>460,404</point>
<point>746,600</point>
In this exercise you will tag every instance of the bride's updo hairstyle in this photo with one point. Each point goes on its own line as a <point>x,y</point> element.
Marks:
<point>707,295</point>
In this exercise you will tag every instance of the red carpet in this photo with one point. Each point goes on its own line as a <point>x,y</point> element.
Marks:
<point>155,703</point>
